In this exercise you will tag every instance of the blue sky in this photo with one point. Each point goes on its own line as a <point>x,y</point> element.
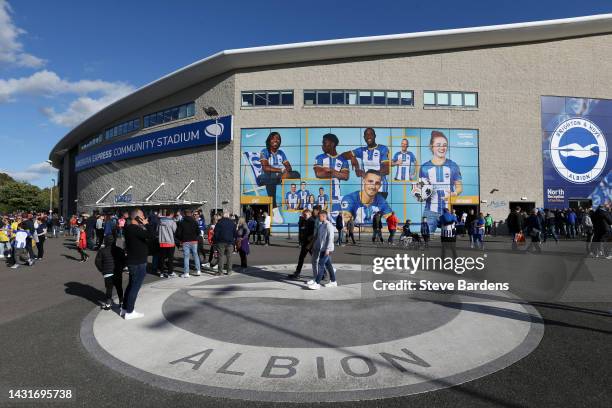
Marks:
<point>61,61</point>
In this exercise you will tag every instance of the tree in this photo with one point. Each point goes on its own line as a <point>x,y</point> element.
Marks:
<point>15,196</point>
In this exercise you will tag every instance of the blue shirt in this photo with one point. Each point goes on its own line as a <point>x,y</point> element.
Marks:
<point>404,171</point>
<point>322,200</point>
<point>275,160</point>
<point>291,200</point>
<point>442,178</point>
<point>303,196</point>
<point>372,159</point>
<point>362,212</point>
<point>336,163</point>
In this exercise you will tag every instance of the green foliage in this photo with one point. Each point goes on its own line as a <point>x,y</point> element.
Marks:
<point>20,196</point>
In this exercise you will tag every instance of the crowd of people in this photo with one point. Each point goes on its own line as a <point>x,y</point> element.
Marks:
<point>160,233</point>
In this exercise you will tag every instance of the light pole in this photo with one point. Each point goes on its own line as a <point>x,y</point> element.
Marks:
<point>51,197</point>
<point>212,113</point>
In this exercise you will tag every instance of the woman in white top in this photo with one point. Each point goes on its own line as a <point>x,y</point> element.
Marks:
<point>267,226</point>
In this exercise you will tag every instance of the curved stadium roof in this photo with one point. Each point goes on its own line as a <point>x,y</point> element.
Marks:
<point>229,60</point>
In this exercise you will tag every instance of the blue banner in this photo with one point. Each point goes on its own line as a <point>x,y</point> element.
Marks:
<point>576,135</point>
<point>176,138</point>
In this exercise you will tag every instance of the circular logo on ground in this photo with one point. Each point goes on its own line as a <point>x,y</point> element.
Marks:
<point>578,150</point>
<point>257,336</point>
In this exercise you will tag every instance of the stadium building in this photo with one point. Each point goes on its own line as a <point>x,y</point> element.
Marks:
<point>484,118</point>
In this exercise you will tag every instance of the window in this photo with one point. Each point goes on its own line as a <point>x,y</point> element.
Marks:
<point>456,99</point>
<point>407,98</point>
<point>429,98</point>
<point>393,98</point>
<point>453,99</point>
<point>470,99</point>
<point>310,97</point>
<point>266,98</point>
<point>121,129</point>
<point>167,115</point>
<point>361,97</point>
<point>442,98</point>
<point>322,97</point>
<point>365,97</point>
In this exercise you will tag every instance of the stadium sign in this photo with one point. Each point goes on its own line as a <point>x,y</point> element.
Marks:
<point>176,138</point>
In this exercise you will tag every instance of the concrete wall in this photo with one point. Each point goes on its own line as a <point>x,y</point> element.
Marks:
<point>176,168</point>
<point>509,81</point>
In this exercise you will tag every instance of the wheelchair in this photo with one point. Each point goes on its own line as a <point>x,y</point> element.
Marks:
<point>412,241</point>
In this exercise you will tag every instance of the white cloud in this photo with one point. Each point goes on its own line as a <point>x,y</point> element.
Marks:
<point>32,173</point>
<point>11,49</point>
<point>48,83</point>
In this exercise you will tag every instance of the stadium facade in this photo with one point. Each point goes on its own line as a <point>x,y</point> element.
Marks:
<point>484,117</point>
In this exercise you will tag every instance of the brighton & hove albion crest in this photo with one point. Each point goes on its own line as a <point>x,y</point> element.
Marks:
<point>578,150</point>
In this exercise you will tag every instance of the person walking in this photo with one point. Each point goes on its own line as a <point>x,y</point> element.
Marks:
<point>377,227</point>
<point>99,231</point>
<point>187,233</point>
<point>514,224</point>
<point>213,253</point>
<point>110,261</point>
<point>242,242</point>
<point>350,228</point>
<point>479,231</point>
<point>41,236</point>
<point>81,243</point>
<point>340,228</point>
<point>469,226</point>
<point>307,239</point>
<point>324,246</point>
<point>587,228</point>
<point>448,235</point>
<point>392,222</point>
<point>137,250</point>
<point>225,238</point>
<point>533,227</point>
<point>267,224</point>
<point>167,244</point>
<point>425,232</point>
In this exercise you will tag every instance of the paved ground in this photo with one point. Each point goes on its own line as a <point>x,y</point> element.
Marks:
<point>42,310</point>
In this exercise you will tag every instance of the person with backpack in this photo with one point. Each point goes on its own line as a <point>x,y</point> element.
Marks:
<point>110,261</point>
<point>167,244</point>
<point>339,221</point>
<point>213,255</point>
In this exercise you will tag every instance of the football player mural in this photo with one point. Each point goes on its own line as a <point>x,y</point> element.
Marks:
<point>358,172</point>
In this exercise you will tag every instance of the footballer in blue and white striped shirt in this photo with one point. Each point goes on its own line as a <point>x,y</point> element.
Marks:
<point>405,163</point>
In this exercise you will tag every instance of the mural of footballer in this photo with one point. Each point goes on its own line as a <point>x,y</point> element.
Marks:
<point>444,176</point>
<point>364,203</point>
<point>373,156</point>
<point>322,199</point>
<point>331,165</point>
<point>303,195</point>
<point>405,162</point>
<point>292,198</point>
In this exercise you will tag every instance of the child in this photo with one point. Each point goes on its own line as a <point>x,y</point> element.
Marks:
<point>81,243</point>
<point>19,247</point>
<point>425,232</point>
<point>110,261</point>
<point>5,234</point>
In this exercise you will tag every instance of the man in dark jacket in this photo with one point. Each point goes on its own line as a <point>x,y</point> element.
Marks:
<point>306,240</point>
<point>602,225</point>
<point>187,233</point>
<point>110,261</point>
<point>514,223</point>
<point>377,227</point>
<point>224,238</point>
<point>137,249</point>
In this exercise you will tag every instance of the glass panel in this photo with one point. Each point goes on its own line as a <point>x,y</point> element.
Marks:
<point>183,109</point>
<point>456,99</point>
<point>442,98</point>
<point>260,99</point>
<point>247,99</point>
<point>365,97</point>
<point>287,98</point>
<point>310,97</point>
<point>175,113</point>
<point>159,118</point>
<point>469,99</point>
<point>273,98</point>
<point>337,98</point>
<point>322,97</point>
<point>379,97</point>
<point>190,109</point>
<point>406,98</point>
<point>350,97</point>
<point>393,98</point>
<point>136,124</point>
<point>145,124</point>
<point>429,98</point>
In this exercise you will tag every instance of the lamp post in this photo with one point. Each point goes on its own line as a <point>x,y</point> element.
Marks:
<point>51,197</point>
<point>212,113</point>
